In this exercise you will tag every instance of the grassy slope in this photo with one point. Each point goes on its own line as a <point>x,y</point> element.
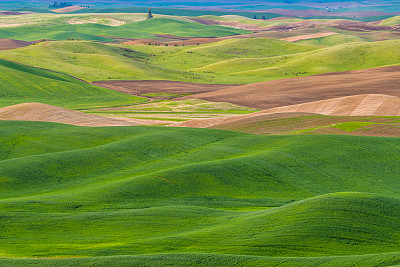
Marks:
<point>332,59</point>
<point>21,84</point>
<point>336,39</point>
<point>171,11</point>
<point>197,56</point>
<point>215,259</point>
<point>140,29</point>
<point>93,61</point>
<point>86,181</point>
<point>251,21</point>
<point>228,61</point>
<point>393,21</point>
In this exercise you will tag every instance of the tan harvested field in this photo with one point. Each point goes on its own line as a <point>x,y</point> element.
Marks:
<point>308,36</point>
<point>67,9</point>
<point>372,115</point>
<point>277,93</point>
<point>48,113</point>
<point>172,87</point>
<point>357,105</point>
<point>8,44</point>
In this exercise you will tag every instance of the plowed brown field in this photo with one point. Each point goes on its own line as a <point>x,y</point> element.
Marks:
<point>8,44</point>
<point>277,93</point>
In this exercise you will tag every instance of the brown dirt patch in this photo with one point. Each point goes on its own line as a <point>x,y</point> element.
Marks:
<point>308,36</point>
<point>48,113</point>
<point>172,87</point>
<point>292,91</point>
<point>358,105</point>
<point>311,123</point>
<point>67,9</point>
<point>10,13</point>
<point>8,44</point>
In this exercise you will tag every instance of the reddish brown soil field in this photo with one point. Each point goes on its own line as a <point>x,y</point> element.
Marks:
<point>8,44</point>
<point>277,93</point>
<point>171,87</point>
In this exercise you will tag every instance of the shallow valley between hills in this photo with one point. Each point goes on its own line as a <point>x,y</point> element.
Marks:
<point>187,135</point>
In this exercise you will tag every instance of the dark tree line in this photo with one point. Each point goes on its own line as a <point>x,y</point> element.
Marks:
<point>60,5</point>
<point>263,17</point>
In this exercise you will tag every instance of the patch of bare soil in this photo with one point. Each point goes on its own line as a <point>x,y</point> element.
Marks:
<point>8,44</point>
<point>67,9</point>
<point>171,87</point>
<point>292,91</point>
<point>10,13</point>
<point>289,119</point>
<point>308,36</point>
<point>48,113</point>
<point>357,105</point>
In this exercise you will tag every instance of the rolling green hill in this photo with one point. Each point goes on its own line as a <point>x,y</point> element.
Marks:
<point>197,56</point>
<point>94,61</point>
<point>105,33</point>
<point>343,57</point>
<point>20,84</point>
<point>393,21</point>
<point>171,11</point>
<point>228,61</point>
<point>151,190</point>
<point>215,259</point>
<point>336,39</point>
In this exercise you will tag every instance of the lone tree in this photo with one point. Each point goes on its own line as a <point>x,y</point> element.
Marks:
<point>255,17</point>
<point>263,17</point>
<point>149,14</point>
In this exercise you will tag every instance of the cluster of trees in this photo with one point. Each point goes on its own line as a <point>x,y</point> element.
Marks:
<point>60,5</point>
<point>149,14</point>
<point>263,17</point>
